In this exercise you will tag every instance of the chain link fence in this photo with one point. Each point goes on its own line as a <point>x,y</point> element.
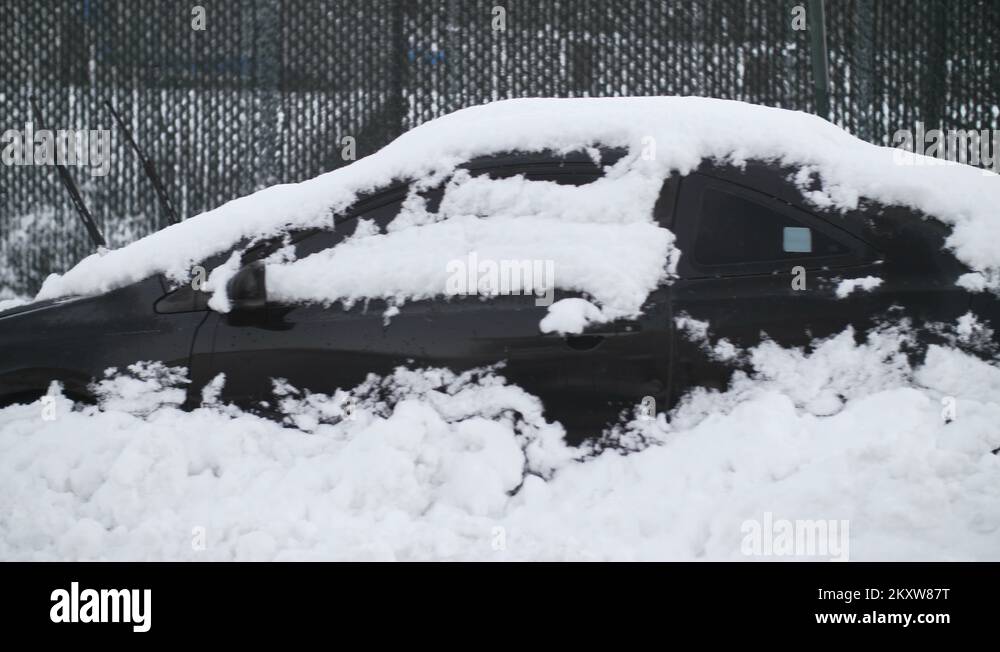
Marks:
<point>269,90</point>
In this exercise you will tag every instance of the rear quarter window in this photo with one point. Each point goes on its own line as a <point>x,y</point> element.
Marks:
<point>739,228</point>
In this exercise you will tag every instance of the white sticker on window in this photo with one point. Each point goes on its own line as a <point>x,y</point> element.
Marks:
<point>797,239</point>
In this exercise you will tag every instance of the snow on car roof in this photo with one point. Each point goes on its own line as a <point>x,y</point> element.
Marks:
<point>661,134</point>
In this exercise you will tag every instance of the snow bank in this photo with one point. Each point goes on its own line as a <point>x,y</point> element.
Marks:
<point>430,465</point>
<point>661,134</point>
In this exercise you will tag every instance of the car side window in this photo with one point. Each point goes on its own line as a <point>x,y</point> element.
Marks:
<point>383,207</point>
<point>380,209</point>
<point>739,226</point>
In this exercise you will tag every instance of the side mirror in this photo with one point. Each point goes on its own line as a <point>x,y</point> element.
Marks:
<point>247,289</point>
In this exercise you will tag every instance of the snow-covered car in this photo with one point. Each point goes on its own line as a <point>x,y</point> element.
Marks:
<point>606,254</point>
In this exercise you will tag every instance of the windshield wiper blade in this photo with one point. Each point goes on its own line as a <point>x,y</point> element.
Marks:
<point>148,167</point>
<point>88,221</point>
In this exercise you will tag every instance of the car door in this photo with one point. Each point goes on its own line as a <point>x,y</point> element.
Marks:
<point>324,348</point>
<point>582,380</point>
<point>756,265</point>
<point>585,380</point>
<point>313,347</point>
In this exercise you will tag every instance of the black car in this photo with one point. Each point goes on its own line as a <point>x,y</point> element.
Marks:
<point>758,260</point>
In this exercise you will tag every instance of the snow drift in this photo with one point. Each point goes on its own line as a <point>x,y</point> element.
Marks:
<point>430,465</point>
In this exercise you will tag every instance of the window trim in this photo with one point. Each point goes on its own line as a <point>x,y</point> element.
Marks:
<point>693,188</point>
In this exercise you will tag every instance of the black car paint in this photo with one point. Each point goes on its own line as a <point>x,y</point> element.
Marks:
<point>748,304</point>
<point>76,340</point>
<point>584,380</point>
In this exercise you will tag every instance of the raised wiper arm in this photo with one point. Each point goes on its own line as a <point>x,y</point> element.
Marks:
<point>88,221</point>
<point>148,167</point>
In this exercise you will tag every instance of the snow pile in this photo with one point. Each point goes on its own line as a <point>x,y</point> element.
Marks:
<point>430,465</point>
<point>849,285</point>
<point>697,331</point>
<point>570,316</point>
<point>968,333</point>
<point>7,304</point>
<point>835,371</point>
<point>141,389</point>
<point>661,134</point>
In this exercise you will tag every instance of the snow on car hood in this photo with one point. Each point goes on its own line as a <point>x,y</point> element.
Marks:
<point>661,134</point>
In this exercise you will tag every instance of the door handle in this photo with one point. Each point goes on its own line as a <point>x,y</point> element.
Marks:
<point>585,342</point>
<point>615,328</point>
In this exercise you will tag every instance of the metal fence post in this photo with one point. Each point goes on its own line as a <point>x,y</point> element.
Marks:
<point>820,67</point>
<point>864,58</point>
<point>266,91</point>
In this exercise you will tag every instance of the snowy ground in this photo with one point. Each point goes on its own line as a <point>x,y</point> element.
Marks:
<point>431,466</point>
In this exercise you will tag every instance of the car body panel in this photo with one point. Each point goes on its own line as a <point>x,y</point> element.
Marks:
<point>74,342</point>
<point>584,380</point>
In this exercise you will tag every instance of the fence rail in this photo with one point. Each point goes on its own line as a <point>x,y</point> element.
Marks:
<point>269,89</point>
